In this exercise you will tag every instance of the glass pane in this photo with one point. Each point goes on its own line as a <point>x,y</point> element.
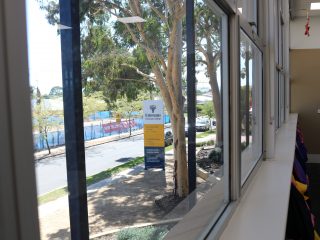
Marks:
<point>48,123</point>
<point>139,66</point>
<point>282,98</point>
<point>249,10</point>
<point>129,57</point>
<point>276,99</point>
<point>212,96</point>
<point>250,104</point>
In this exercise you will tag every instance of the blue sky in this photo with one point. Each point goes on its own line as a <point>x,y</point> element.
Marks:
<point>44,50</point>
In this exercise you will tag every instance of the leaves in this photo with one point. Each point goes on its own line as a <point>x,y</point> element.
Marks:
<point>93,103</point>
<point>105,67</point>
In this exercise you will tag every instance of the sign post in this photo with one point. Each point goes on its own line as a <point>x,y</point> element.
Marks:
<point>118,118</point>
<point>153,134</point>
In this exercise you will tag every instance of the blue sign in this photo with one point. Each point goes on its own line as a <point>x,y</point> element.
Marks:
<point>153,157</point>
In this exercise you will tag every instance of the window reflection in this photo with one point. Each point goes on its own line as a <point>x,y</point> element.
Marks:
<point>250,104</point>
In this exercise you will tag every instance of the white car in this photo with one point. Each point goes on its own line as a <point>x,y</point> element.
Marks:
<point>202,124</point>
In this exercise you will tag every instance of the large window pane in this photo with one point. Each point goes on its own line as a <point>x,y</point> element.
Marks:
<point>44,53</point>
<point>134,51</point>
<point>212,93</point>
<point>250,104</point>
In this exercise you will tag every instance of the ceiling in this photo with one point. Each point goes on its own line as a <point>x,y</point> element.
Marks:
<point>298,8</point>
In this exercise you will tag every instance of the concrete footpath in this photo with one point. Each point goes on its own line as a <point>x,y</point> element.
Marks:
<point>124,200</point>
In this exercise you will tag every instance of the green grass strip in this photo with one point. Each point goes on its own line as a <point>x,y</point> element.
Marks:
<point>112,171</point>
<point>91,180</point>
<point>51,196</point>
<point>168,148</point>
<point>205,134</point>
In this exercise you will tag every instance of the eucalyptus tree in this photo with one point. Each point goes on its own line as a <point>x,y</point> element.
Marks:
<point>208,28</point>
<point>153,30</point>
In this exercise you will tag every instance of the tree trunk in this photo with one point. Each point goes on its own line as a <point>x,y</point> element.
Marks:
<point>47,143</point>
<point>212,65</point>
<point>129,126</point>
<point>178,123</point>
<point>216,98</point>
<point>169,80</point>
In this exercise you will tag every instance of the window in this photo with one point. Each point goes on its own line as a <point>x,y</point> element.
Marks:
<point>250,104</point>
<point>280,76</point>
<point>249,10</point>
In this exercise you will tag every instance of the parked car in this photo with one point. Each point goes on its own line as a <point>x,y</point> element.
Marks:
<point>186,126</point>
<point>213,122</point>
<point>168,137</point>
<point>202,124</point>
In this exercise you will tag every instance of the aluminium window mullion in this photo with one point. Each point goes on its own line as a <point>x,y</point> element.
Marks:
<point>73,119</point>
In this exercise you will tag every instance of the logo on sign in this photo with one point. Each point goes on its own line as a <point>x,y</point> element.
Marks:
<point>153,108</point>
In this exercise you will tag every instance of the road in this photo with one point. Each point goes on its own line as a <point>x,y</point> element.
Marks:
<point>51,172</point>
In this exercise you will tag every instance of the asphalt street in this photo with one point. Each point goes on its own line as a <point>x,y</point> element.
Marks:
<point>51,172</point>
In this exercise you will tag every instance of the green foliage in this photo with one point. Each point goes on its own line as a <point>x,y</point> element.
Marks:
<point>33,92</point>
<point>243,146</point>
<point>145,233</point>
<point>205,134</point>
<point>93,103</point>
<point>108,68</point>
<point>56,92</point>
<point>208,29</point>
<point>216,155</point>
<point>207,109</point>
<point>45,119</point>
<point>125,107</point>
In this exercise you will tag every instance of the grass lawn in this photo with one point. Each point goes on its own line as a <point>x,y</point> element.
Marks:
<point>205,134</point>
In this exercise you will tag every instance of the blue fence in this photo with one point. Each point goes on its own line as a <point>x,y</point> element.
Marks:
<point>100,115</point>
<point>104,129</point>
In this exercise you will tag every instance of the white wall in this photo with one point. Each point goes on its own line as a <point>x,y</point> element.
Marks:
<point>297,38</point>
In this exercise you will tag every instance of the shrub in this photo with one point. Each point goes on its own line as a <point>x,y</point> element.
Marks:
<point>243,146</point>
<point>145,233</point>
<point>216,155</point>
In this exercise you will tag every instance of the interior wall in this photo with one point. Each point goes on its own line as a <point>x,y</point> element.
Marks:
<point>305,93</point>
<point>297,38</point>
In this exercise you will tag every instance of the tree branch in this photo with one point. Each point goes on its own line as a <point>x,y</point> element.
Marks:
<point>136,10</point>
<point>202,50</point>
<point>201,61</point>
<point>138,71</point>
<point>159,14</point>
<point>182,11</point>
<point>135,80</point>
<point>114,5</point>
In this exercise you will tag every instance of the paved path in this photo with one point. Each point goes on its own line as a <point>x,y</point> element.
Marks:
<point>51,172</point>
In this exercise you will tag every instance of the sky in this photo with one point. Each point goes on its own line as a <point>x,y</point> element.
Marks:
<point>44,50</point>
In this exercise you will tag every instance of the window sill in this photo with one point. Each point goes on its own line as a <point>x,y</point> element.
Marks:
<point>262,211</point>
